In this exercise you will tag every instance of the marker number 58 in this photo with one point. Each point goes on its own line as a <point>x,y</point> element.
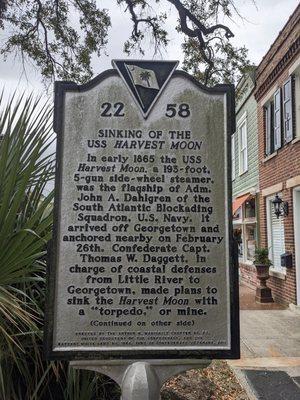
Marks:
<point>182,110</point>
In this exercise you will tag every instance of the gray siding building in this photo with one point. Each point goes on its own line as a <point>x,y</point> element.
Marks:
<point>245,174</point>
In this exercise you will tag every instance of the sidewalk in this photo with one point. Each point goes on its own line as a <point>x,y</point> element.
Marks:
<point>269,367</point>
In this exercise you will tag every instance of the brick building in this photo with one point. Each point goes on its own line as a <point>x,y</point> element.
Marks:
<point>278,111</point>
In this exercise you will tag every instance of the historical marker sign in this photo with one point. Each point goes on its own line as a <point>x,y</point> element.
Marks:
<point>142,263</point>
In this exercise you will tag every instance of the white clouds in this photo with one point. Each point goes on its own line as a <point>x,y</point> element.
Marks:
<point>257,35</point>
<point>265,22</point>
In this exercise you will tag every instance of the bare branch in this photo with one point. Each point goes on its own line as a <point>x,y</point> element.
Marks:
<point>151,22</point>
<point>198,32</point>
<point>185,14</point>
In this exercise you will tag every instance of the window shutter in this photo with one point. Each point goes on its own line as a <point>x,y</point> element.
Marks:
<point>243,148</point>
<point>268,128</point>
<point>233,157</point>
<point>277,120</point>
<point>287,111</point>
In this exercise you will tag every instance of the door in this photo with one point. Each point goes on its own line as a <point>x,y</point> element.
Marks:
<point>275,230</point>
<point>296,201</point>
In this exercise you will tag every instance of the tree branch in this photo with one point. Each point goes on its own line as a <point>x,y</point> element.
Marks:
<point>136,21</point>
<point>46,33</point>
<point>40,21</point>
<point>3,5</point>
<point>198,32</point>
<point>186,14</point>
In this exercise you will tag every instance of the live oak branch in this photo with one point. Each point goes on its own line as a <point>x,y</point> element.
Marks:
<point>62,36</point>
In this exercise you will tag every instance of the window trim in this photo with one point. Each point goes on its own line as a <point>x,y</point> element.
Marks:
<point>267,126</point>
<point>239,221</point>
<point>242,223</point>
<point>277,129</point>
<point>242,122</point>
<point>284,102</point>
<point>296,107</point>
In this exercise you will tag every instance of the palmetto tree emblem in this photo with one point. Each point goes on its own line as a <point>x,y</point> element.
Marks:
<point>145,80</point>
<point>145,76</point>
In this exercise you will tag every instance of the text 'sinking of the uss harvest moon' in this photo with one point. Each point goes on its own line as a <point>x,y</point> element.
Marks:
<point>142,237</point>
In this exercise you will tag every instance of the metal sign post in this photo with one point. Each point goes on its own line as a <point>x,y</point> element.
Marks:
<point>140,379</point>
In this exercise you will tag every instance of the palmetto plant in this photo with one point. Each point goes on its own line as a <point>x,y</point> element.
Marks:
<point>26,168</point>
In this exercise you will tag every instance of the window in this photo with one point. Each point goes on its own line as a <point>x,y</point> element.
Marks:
<point>250,241</point>
<point>275,230</point>
<point>296,104</point>
<point>287,111</point>
<point>232,158</point>
<point>244,230</point>
<point>238,214</point>
<point>277,120</point>
<point>278,113</point>
<point>243,147</point>
<point>238,235</point>
<point>273,123</point>
<point>250,208</point>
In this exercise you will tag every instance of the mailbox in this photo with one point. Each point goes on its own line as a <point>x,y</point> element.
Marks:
<point>286,260</point>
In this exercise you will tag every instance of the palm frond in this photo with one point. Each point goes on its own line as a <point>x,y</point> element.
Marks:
<point>26,167</point>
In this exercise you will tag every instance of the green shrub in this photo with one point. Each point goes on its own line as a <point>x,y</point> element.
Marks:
<point>26,168</point>
<point>262,256</point>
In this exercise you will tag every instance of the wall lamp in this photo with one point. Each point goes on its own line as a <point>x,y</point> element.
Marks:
<point>280,207</point>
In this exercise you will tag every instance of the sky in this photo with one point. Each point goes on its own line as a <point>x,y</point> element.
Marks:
<point>257,32</point>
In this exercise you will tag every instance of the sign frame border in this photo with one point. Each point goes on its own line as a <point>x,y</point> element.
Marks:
<point>60,88</point>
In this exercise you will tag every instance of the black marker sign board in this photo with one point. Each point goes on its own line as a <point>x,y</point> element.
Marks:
<point>141,261</point>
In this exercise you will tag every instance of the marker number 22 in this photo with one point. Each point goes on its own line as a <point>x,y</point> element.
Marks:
<point>117,110</point>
